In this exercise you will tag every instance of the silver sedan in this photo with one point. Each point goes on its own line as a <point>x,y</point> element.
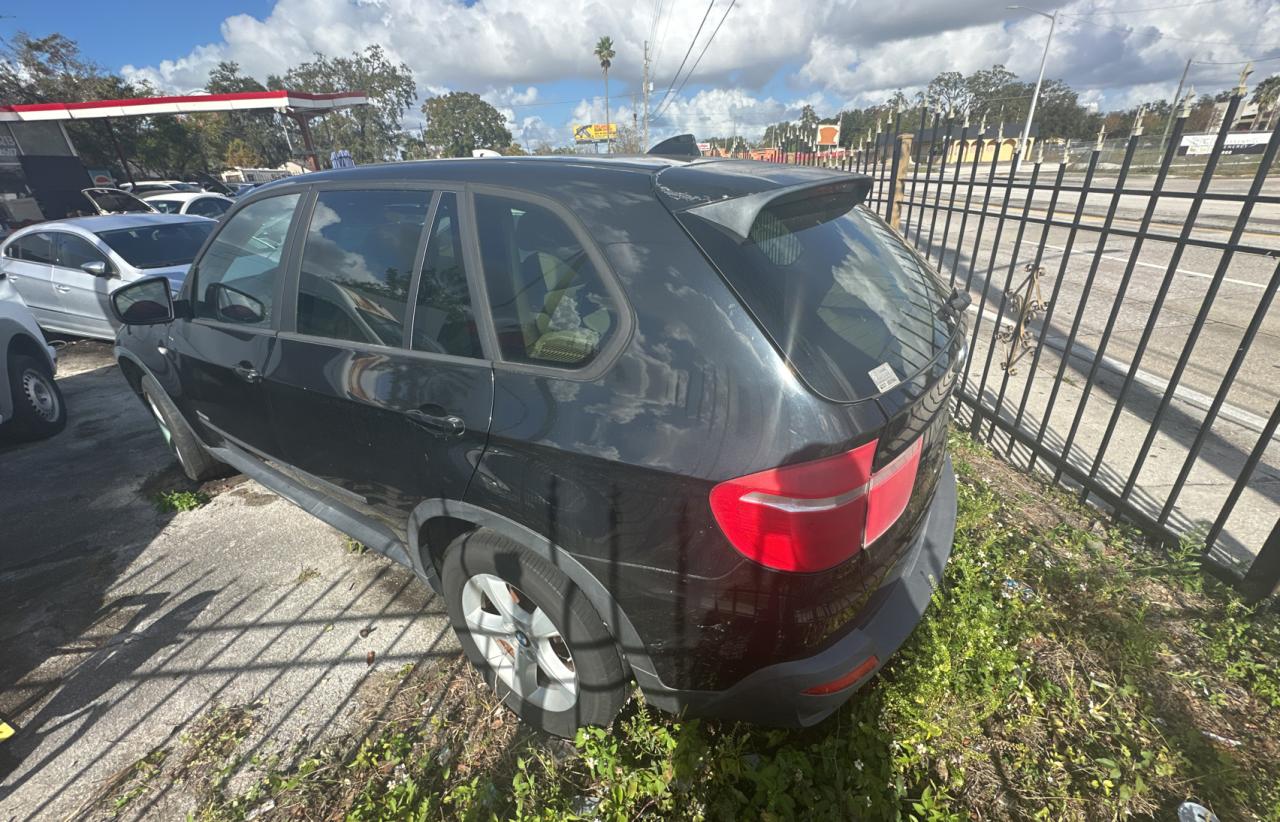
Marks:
<point>66,269</point>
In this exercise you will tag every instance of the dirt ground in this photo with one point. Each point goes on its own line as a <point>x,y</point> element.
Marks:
<point>122,627</point>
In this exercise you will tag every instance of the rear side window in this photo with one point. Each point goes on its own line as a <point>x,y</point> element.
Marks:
<point>237,276</point>
<point>357,264</point>
<point>34,248</point>
<point>838,292</point>
<point>443,320</point>
<point>549,304</point>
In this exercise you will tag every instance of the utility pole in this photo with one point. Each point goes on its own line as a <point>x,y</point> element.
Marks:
<point>645,87</point>
<point>1035,96</point>
<point>1173,108</point>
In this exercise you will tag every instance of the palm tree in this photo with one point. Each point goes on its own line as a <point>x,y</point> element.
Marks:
<point>604,51</point>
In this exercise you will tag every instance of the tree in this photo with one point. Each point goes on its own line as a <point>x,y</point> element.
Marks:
<point>240,155</point>
<point>950,93</point>
<point>460,122</point>
<point>604,52</point>
<point>260,134</point>
<point>372,132</point>
<point>1267,96</point>
<point>629,140</point>
<point>545,148</point>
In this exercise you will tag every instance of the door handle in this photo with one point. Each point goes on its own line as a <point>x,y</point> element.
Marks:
<point>436,420</point>
<point>247,372</point>
<point>62,289</point>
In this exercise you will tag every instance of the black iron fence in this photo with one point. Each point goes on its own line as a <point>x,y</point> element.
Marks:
<point>1122,338</point>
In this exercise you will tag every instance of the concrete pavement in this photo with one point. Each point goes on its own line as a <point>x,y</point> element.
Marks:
<point>122,625</point>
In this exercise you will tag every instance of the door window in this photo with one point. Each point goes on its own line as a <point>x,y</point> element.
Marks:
<point>549,304</point>
<point>35,248</point>
<point>443,320</point>
<point>74,252</point>
<point>357,264</point>
<point>235,280</point>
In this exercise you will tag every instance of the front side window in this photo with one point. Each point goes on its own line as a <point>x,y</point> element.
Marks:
<point>74,252</point>
<point>357,264</point>
<point>549,304</point>
<point>235,280</point>
<point>443,320</point>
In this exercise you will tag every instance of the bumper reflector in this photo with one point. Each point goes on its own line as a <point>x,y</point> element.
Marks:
<point>868,665</point>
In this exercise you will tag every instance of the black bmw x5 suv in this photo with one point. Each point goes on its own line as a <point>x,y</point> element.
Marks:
<point>682,422</point>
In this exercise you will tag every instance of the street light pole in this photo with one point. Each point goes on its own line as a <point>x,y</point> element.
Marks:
<point>1177,100</point>
<point>1035,96</point>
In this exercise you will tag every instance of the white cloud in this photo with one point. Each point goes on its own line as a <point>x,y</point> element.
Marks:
<point>830,53</point>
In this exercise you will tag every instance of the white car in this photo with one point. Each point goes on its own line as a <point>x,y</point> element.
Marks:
<point>144,187</point>
<point>66,269</point>
<point>31,405</point>
<point>199,203</point>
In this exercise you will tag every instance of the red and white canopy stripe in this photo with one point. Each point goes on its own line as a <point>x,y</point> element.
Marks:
<point>291,101</point>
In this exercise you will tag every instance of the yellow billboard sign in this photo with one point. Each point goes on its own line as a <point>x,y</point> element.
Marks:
<point>595,132</point>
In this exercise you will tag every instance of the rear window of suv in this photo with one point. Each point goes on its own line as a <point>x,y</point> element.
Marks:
<point>839,292</point>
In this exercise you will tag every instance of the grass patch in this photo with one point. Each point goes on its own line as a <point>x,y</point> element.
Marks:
<point>1066,670</point>
<point>354,546</point>
<point>167,501</point>
<point>306,575</point>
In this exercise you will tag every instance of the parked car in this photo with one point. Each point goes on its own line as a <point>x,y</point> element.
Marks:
<point>65,269</point>
<point>114,201</point>
<point>31,405</point>
<point>202,204</point>
<point>682,422</point>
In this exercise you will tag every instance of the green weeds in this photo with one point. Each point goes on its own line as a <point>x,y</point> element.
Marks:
<point>1066,669</point>
<point>167,501</point>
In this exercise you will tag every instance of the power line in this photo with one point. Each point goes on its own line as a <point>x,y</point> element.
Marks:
<point>700,54</point>
<point>692,43</point>
<point>1142,10</point>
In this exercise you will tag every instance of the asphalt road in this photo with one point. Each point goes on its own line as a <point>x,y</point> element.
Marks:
<point>122,625</point>
<point>1091,295</point>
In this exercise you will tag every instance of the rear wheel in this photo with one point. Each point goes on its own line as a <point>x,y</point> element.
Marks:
<point>532,634</point>
<point>196,461</point>
<point>38,408</point>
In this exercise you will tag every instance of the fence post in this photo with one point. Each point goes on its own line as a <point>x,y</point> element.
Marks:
<point>1263,576</point>
<point>900,160</point>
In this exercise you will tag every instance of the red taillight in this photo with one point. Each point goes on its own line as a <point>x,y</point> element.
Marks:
<point>815,515</point>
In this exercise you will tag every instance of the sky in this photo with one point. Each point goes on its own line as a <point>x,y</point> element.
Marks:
<point>757,61</point>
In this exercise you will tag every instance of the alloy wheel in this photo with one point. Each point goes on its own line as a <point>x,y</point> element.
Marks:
<point>520,642</point>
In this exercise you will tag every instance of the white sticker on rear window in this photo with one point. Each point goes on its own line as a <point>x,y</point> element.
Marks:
<point>884,377</point>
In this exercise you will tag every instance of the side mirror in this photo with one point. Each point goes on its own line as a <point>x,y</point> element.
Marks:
<point>145,302</point>
<point>235,306</point>
<point>98,268</point>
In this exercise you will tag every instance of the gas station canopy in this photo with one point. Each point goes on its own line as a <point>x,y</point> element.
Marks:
<point>294,103</point>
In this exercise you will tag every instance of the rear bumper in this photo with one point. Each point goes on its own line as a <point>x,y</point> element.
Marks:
<point>774,695</point>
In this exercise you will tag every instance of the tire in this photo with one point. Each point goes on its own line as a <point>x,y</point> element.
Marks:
<point>194,459</point>
<point>577,677</point>
<point>38,408</point>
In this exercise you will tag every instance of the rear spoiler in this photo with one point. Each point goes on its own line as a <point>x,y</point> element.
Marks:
<point>681,145</point>
<point>739,214</point>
